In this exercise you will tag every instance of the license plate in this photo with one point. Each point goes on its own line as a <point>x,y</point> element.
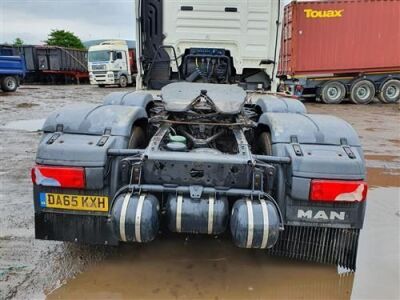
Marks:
<point>74,202</point>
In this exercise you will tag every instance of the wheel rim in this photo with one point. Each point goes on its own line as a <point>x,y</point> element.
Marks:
<point>392,92</point>
<point>10,84</point>
<point>333,93</point>
<point>363,92</point>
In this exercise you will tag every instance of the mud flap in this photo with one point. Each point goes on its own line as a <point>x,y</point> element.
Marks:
<point>87,229</point>
<point>324,245</point>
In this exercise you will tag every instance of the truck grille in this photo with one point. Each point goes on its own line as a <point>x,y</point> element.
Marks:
<point>98,67</point>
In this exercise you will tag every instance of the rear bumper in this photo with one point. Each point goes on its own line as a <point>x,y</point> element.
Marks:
<point>87,229</point>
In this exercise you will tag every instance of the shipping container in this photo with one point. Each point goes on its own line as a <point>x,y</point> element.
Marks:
<point>340,37</point>
<point>327,39</point>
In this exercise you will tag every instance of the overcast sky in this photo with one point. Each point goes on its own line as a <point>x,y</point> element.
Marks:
<point>32,20</point>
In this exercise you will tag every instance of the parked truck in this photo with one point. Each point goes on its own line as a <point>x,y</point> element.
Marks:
<point>112,63</point>
<point>12,71</point>
<point>334,49</point>
<point>203,157</point>
<point>50,64</point>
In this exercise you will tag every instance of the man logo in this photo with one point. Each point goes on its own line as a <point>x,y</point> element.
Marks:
<point>311,13</point>
<point>321,215</point>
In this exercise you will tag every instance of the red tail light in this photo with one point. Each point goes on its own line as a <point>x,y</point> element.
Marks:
<point>338,190</point>
<point>65,177</point>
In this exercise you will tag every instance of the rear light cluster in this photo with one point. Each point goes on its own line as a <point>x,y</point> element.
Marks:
<point>338,190</point>
<point>65,177</point>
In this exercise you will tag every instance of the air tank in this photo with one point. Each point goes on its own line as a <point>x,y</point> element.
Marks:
<point>135,217</point>
<point>208,215</point>
<point>254,223</point>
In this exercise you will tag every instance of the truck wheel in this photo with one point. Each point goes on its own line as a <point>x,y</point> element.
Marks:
<point>9,84</point>
<point>362,91</point>
<point>333,92</point>
<point>137,139</point>
<point>264,143</point>
<point>390,91</point>
<point>123,81</point>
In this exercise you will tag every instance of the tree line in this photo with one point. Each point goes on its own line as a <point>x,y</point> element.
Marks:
<point>57,37</point>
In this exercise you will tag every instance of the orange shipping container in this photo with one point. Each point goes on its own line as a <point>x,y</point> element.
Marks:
<point>340,37</point>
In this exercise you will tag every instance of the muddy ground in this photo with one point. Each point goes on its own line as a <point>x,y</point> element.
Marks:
<point>177,266</point>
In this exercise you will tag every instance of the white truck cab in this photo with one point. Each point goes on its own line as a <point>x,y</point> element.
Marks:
<point>109,63</point>
<point>207,41</point>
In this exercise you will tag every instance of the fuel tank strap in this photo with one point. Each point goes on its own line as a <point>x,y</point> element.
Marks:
<point>123,216</point>
<point>211,201</point>
<point>250,228</point>
<point>179,201</point>
<point>138,218</point>
<point>266,224</point>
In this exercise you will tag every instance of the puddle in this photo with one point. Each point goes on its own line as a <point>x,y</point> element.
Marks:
<point>203,268</point>
<point>382,157</point>
<point>26,105</point>
<point>383,177</point>
<point>206,268</point>
<point>27,125</point>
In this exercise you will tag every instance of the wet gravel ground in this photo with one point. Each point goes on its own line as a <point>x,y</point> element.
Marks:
<point>33,268</point>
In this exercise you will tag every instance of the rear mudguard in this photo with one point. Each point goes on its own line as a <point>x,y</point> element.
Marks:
<point>279,104</point>
<point>320,147</point>
<point>139,99</point>
<point>95,119</point>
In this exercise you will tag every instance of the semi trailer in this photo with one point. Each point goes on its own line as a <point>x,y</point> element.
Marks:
<point>332,50</point>
<point>112,63</point>
<point>202,158</point>
<point>50,64</point>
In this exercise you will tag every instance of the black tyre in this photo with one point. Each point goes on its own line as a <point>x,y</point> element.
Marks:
<point>390,91</point>
<point>264,143</point>
<point>9,84</point>
<point>123,81</point>
<point>362,91</point>
<point>100,85</point>
<point>137,139</point>
<point>333,92</point>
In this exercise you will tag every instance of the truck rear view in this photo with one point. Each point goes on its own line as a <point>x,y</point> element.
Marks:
<point>334,49</point>
<point>207,41</point>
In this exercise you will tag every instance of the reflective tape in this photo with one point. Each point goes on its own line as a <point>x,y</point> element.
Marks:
<point>179,201</point>
<point>266,223</point>
<point>250,228</point>
<point>211,202</point>
<point>123,216</point>
<point>138,218</point>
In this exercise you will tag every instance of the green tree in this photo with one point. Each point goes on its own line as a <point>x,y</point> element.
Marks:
<point>18,42</point>
<point>64,38</point>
